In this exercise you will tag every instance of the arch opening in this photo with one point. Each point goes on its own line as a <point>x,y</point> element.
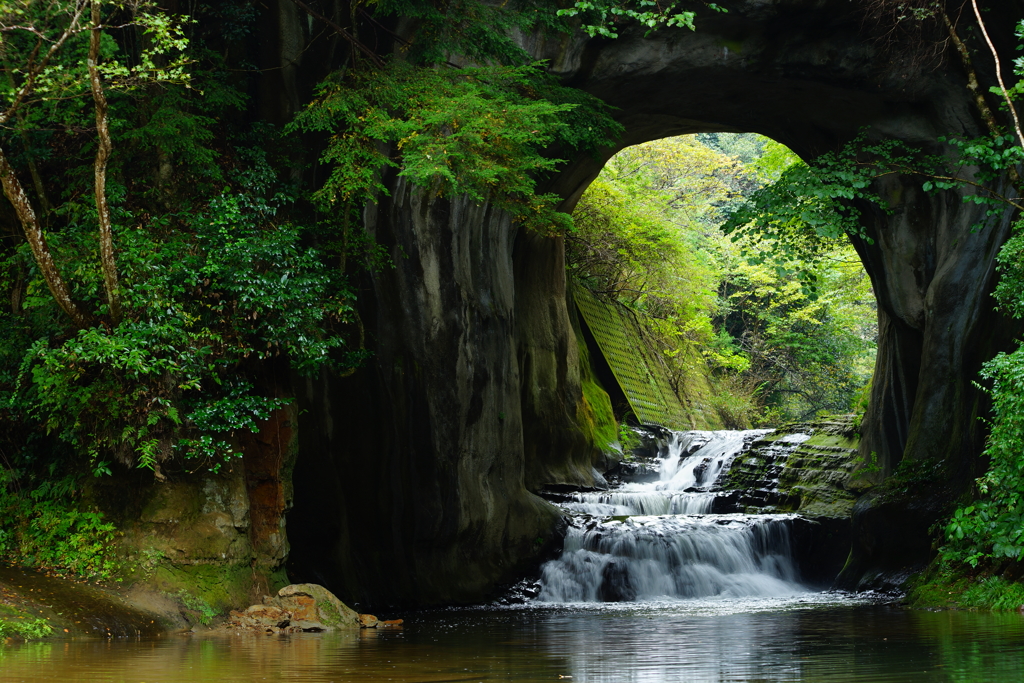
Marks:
<point>743,335</point>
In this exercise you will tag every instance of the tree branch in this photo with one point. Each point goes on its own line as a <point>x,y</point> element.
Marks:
<point>341,32</point>
<point>972,77</point>
<point>999,73</point>
<point>37,242</point>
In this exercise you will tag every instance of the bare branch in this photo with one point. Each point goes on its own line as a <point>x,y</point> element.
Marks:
<point>999,73</point>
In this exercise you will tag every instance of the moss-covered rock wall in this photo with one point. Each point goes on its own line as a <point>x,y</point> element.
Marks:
<point>211,539</point>
<point>821,477</point>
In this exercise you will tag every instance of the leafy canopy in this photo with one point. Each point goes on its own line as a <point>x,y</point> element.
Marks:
<point>739,338</point>
<point>477,132</point>
<point>606,17</point>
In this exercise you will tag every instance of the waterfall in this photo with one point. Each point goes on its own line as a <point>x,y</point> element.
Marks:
<point>658,540</point>
<point>676,557</point>
<point>693,465</point>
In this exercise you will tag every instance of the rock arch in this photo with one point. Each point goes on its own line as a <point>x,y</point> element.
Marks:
<point>418,461</point>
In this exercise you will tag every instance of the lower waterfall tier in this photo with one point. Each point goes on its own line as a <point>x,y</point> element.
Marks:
<point>680,556</point>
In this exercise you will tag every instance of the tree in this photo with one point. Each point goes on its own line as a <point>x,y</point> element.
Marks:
<point>42,46</point>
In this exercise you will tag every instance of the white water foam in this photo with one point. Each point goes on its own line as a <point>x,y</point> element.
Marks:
<point>649,558</point>
<point>694,463</point>
<point>668,546</point>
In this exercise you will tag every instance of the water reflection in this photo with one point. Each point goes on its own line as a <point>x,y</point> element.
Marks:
<point>713,641</point>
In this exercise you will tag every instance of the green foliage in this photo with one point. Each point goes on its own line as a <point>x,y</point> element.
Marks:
<point>45,528</point>
<point>992,527</point>
<point>797,219</point>
<point>809,354</point>
<point>861,404</point>
<point>604,17</point>
<point>742,340</point>
<point>17,624</point>
<point>628,439</point>
<point>476,132</point>
<point>868,465</point>
<point>202,609</point>
<point>956,585</point>
<point>808,209</point>
<point>32,30</point>
<point>220,270</point>
<point>205,295</point>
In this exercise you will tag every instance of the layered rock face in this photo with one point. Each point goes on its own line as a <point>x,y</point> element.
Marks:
<point>219,537</point>
<point>410,484</point>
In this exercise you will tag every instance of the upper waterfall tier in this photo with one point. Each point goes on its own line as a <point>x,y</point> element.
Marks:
<point>688,476</point>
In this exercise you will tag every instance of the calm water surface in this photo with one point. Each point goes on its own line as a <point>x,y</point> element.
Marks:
<point>816,637</point>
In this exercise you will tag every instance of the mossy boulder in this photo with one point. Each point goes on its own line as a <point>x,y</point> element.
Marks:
<point>298,607</point>
<point>309,602</point>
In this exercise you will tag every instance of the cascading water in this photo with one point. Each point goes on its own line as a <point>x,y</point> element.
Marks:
<point>694,463</point>
<point>658,540</point>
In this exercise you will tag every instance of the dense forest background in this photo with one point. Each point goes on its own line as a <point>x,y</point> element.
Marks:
<point>758,340</point>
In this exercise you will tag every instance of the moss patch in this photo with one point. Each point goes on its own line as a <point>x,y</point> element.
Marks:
<point>221,587</point>
<point>595,415</point>
<point>816,478</point>
<point>964,589</point>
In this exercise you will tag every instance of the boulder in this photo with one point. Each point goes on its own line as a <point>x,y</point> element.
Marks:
<point>313,607</point>
<point>298,607</point>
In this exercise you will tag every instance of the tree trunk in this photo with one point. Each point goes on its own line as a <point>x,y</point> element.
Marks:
<point>107,262</point>
<point>14,192</point>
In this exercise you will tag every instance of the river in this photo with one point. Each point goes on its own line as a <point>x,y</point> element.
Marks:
<point>651,587</point>
<point>816,638</point>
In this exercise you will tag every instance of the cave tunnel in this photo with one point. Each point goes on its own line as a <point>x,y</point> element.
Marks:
<point>414,474</point>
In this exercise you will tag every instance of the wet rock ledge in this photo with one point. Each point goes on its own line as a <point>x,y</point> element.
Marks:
<point>821,479</point>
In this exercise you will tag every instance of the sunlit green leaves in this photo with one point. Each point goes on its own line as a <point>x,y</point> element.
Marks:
<point>46,46</point>
<point>810,208</point>
<point>647,235</point>
<point>605,18</point>
<point>474,132</point>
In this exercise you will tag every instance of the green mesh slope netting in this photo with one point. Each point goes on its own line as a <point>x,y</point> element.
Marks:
<point>642,378</point>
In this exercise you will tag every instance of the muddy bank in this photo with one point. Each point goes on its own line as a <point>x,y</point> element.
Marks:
<point>33,604</point>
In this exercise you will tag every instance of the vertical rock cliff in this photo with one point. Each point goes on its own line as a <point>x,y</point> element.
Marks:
<point>410,485</point>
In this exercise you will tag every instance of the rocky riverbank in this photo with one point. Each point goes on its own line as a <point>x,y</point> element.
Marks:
<point>35,605</point>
